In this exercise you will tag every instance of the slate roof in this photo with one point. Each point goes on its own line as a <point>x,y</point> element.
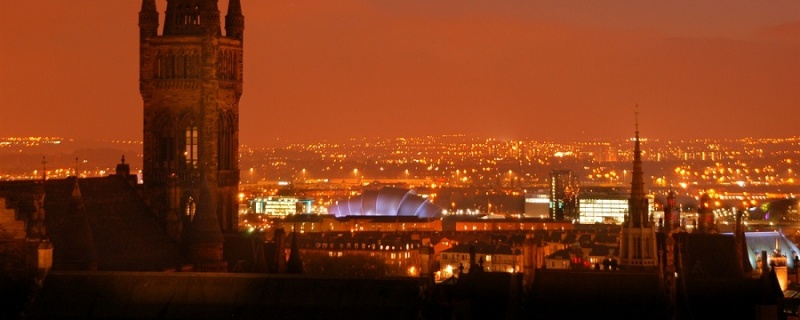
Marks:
<point>606,238</point>
<point>603,251</point>
<point>563,254</point>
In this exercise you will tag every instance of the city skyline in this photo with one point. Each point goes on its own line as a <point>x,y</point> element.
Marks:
<point>336,70</point>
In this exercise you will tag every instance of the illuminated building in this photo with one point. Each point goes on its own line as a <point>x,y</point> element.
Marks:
<point>468,224</point>
<point>279,206</point>
<point>401,254</point>
<point>309,223</point>
<point>493,258</point>
<point>387,202</point>
<point>606,205</point>
<point>563,195</point>
<point>537,204</point>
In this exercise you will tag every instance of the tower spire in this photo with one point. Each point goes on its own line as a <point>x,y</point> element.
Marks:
<point>637,240</point>
<point>148,19</point>
<point>234,20</point>
<point>638,203</point>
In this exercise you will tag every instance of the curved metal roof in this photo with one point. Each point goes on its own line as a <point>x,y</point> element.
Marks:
<point>386,202</point>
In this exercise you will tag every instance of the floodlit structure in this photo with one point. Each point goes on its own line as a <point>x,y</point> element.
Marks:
<point>387,202</point>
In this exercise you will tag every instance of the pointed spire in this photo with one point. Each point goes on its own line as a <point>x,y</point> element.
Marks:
<point>234,20</point>
<point>148,6</point>
<point>204,227</point>
<point>76,202</point>
<point>148,19</point>
<point>638,238</point>
<point>235,8</point>
<point>294,265</point>
<point>637,205</point>
<point>38,226</point>
<point>76,190</point>
<point>203,239</point>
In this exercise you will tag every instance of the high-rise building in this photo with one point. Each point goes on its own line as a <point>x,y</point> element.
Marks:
<point>191,80</point>
<point>563,195</point>
<point>638,238</point>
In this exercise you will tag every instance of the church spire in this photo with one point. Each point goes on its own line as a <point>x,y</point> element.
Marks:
<point>234,20</point>
<point>637,204</point>
<point>295,264</point>
<point>637,239</point>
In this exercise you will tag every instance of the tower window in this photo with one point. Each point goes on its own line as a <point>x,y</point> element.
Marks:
<point>191,147</point>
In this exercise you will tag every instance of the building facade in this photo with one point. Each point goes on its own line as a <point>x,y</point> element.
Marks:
<point>190,82</point>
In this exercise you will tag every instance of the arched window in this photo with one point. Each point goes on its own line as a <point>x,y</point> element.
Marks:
<point>191,152</point>
<point>191,207</point>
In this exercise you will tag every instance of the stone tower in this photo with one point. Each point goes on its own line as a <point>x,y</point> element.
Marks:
<point>190,78</point>
<point>638,239</point>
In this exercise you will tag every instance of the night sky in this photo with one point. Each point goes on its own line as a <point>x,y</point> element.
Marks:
<point>331,70</point>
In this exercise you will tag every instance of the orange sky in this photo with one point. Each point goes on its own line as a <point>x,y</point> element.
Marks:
<point>330,70</point>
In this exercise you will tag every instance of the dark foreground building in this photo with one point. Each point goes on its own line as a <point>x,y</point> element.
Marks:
<point>124,295</point>
<point>93,224</point>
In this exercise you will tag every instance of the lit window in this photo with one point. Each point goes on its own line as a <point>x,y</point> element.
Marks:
<point>190,208</point>
<point>191,147</point>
